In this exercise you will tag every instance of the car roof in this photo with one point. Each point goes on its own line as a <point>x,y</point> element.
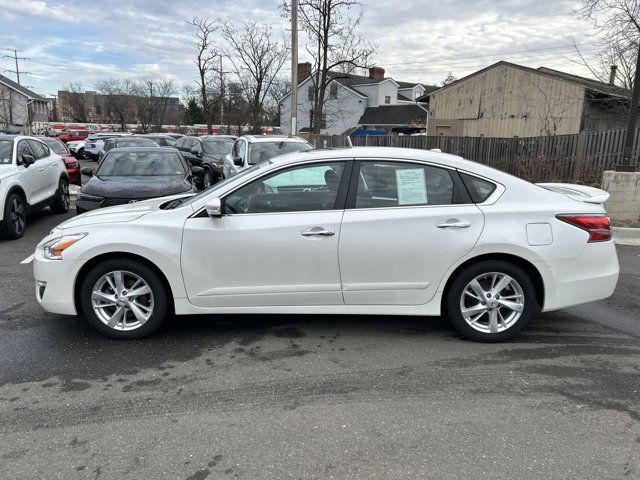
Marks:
<point>144,149</point>
<point>272,138</point>
<point>217,137</point>
<point>394,153</point>
<point>5,136</point>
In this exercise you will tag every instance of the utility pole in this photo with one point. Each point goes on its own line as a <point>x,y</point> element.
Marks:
<point>294,67</point>
<point>16,58</point>
<point>221,95</point>
<point>626,166</point>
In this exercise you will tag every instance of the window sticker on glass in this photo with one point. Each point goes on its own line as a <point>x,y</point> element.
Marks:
<point>412,189</point>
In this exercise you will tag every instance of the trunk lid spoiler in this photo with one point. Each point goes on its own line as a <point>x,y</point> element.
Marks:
<point>582,193</point>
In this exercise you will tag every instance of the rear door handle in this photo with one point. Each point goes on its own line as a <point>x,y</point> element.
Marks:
<point>41,169</point>
<point>313,231</point>
<point>453,223</point>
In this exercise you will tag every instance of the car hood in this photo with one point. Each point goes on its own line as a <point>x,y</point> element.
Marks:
<point>120,213</point>
<point>7,171</point>
<point>136,187</point>
<point>214,158</point>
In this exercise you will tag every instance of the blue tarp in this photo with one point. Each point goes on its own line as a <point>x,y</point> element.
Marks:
<point>361,132</point>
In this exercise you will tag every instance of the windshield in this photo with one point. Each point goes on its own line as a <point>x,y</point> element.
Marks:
<point>217,147</point>
<point>261,151</point>
<point>6,150</point>
<point>141,164</point>
<point>56,145</point>
<point>213,188</point>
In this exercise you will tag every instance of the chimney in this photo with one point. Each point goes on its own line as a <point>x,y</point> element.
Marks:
<point>376,73</point>
<point>304,71</point>
<point>612,75</point>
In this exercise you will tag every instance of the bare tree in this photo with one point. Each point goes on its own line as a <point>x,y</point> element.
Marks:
<point>257,59</point>
<point>152,100</point>
<point>448,79</point>
<point>205,61</point>
<point>6,109</point>
<point>119,96</point>
<point>618,25</point>
<point>76,102</point>
<point>334,44</point>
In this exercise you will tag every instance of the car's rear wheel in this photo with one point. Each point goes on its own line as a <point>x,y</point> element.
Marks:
<point>491,301</point>
<point>15,217</point>
<point>62,201</point>
<point>124,299</point>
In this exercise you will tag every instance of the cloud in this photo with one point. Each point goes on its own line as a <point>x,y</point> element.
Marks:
<point>417,40</point>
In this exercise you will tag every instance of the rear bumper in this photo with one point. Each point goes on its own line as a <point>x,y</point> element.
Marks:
<point>592,275</point>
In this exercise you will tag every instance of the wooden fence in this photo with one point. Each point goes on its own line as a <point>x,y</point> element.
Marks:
<point>579,158</point>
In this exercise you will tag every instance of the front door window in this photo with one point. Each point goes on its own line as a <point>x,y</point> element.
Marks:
<point>305,188</point>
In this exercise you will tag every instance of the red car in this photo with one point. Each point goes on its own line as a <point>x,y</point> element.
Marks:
<point>70,162</point>
<point>73,135</point>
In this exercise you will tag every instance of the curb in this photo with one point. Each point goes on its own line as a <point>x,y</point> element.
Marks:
<point>626,236</point>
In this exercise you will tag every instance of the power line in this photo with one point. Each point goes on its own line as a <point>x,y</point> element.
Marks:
<point>16,58</point>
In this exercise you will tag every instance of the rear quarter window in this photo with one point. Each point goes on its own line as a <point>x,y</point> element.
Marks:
<point>479,189</point>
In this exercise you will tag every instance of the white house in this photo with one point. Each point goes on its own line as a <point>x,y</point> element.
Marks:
<point>369,102</point>
<point>21,110</point>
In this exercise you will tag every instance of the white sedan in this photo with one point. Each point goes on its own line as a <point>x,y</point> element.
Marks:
<point>368,231</point>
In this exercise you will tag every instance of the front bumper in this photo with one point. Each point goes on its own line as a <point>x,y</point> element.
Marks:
<point>54,283</point>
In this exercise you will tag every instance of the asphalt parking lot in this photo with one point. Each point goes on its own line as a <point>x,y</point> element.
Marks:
<point>317,397</point>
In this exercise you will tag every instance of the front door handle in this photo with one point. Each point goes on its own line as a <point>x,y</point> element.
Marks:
<point>319,231</point>
<point>41,169</point>
<point>453,223</point>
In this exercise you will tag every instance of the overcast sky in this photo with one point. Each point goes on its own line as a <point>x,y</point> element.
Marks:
<point>418,40</point>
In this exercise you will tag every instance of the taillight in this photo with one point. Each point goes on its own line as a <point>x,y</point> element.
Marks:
<point>598,226</point>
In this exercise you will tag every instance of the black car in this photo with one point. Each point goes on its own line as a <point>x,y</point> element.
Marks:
<point>132,174</point>
<point>207,152</point>
<point>125,142</point>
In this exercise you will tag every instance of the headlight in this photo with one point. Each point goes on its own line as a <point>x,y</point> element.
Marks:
<point>89,198</point>
<point>53,248</point>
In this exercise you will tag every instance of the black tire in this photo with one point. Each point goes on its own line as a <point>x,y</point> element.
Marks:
<point>160,304</point>
<point>62,201</point>
<point>455,292</point>
<point>208,178</point>
<point>14,220</point>
<point>80,154</point>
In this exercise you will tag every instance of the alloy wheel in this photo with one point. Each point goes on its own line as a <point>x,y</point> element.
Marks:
<point>208,179</point>
<point>492,302</point>
<point>17,216</point>
<point>122,300</point>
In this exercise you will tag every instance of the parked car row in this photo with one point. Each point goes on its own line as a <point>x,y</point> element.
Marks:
<point>32,176</point>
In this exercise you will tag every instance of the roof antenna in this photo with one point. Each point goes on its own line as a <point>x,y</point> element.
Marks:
<point>349,141</point>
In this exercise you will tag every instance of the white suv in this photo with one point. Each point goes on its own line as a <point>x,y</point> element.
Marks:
<point>252,149</point>
<point>31,177</point>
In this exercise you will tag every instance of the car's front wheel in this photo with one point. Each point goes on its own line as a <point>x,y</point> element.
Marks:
<point>124,299</point>
<point>208,179</point>
<point>491,301</point>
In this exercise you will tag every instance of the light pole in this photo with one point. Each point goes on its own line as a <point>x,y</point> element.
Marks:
<point>294,68</point>
<point>626,166</point>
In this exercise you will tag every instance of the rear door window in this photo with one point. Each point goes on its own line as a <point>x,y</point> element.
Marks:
<point>399,184</point>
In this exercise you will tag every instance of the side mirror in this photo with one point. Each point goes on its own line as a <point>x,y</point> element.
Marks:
<point>197,170</point>
<point>214,207</point>
<point>197,153</point>
<point>27,160</point>
<point>237,161</point>
<point>87,171</point>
